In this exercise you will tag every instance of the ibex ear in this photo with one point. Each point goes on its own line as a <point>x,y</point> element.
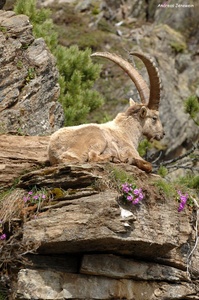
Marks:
<point>131,102</point>
<point>143,112</point>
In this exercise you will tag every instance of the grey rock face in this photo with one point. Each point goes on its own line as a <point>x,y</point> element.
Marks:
<point>88,244</point>
<point>28,80</point>
<point>88,248</point>
<point>179,74</point>
<point>56,285</point>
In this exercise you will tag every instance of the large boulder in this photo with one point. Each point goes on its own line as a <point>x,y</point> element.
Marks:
<point>28,80</point>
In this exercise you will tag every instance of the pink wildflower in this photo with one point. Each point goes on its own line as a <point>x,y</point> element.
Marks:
<point>136,201</point>
<point>137,191</point>
<point>183,201</point>
<point>132,194</point>
<point>25,199</point>
<point>3,236</point>
<point>126,188</point>
<point>129,197</point>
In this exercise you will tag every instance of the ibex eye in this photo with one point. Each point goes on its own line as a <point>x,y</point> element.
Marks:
<point>154,118</point>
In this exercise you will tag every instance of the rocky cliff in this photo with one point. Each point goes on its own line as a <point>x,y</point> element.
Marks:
<point>67,231</point>
<point>83,241</point>
<point>28,80</point>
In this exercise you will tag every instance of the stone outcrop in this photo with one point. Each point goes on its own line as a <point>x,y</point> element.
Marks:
<point>73,286</point>
<point>178,73</point>
<point>89,244</point>
<point>180,16</point>
<point>19,153</point>
<point>28,80</point>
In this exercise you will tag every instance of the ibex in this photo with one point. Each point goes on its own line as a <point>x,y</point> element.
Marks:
<point>116,140</point>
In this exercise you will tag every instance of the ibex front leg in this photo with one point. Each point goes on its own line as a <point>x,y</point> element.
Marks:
<point>133,158</point>
<point>143,165</point>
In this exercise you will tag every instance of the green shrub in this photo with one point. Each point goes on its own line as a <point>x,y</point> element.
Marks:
<point>167,188</point>
<point>118,175</point>
<point>191,105</point>
<point>162,171</point>
<point>77,75</point>
<point>77,71</point>
<point>178,47</point>
<point>143,147</point>
<point>191,181</point>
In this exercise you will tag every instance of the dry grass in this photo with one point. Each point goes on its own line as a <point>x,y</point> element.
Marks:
<point>11,205</point>
<point>12,249</point>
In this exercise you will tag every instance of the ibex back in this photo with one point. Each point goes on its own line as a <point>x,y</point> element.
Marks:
<point>117,140</point>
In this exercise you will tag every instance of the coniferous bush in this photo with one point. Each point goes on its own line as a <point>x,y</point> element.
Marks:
<point>77,71</point>
<point>191,105</point>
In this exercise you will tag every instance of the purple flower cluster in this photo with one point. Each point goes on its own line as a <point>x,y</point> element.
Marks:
<point>33,198</point>
<point>132,193</point>
<point>183,201</point>
<point>3,236</point>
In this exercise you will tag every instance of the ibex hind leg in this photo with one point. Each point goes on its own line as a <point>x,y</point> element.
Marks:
<point>142,164</point>
<point>69,157</point>
<point>95,156</point>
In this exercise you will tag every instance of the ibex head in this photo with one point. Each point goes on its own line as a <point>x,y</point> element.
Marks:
<point>147,111</point>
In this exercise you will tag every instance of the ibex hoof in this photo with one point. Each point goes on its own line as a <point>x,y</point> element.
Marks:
<point>143,165</point>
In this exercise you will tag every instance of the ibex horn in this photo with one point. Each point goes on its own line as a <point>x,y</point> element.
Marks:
<point>154,79</point>
<point>138,80</point>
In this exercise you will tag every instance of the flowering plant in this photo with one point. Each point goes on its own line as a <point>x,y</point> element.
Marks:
<point>132,193</point>
<point>183,200</point>
<point>3,236</point>
<point>34,197</point>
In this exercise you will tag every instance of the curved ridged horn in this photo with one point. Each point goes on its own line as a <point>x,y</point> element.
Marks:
<point>138,80</point>
<point>154,79</point>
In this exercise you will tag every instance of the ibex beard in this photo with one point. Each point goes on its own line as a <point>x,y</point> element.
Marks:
<point>115,141</point>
